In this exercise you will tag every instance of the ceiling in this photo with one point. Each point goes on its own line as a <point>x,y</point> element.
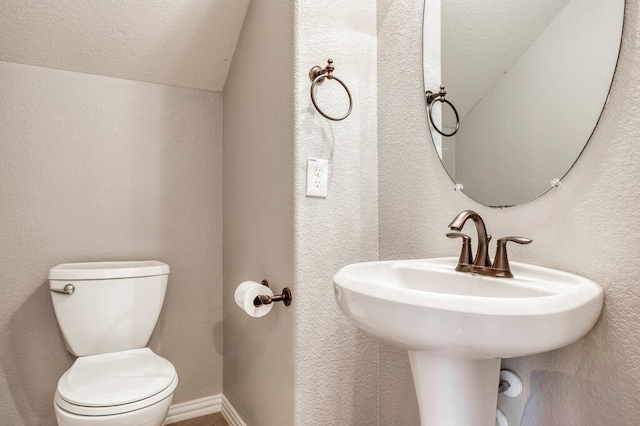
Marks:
<point>186,43</point>
<point>482,40</point>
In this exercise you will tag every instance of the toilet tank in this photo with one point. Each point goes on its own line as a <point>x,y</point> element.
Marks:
<point>114,306</point>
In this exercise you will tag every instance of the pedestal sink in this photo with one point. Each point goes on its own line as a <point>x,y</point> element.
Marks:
<point>457,326</point>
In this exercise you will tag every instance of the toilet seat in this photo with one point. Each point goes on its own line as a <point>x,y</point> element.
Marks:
<point>114,383</point>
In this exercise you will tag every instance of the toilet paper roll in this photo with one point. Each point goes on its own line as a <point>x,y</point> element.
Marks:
<point>245,295</point>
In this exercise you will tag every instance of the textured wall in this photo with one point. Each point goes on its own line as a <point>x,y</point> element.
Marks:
<point>590,226</point>
<point>95,168</point>
<point>259,214</point>
<point>336,364</point>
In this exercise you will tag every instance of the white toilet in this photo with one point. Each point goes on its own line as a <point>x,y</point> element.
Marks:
<point>107,312</point>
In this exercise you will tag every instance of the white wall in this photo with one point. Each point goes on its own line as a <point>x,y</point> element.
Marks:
<point>336,364</point>
<point>95,168</point>
<point>259,214</point>
<point>590,226</point>
<point>305,364</point>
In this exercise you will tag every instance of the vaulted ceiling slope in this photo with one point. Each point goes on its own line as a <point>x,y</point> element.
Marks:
<point>186,43</point>
<point>482,40</point>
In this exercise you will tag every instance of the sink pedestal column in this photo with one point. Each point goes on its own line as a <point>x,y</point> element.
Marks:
<point>455,391</point>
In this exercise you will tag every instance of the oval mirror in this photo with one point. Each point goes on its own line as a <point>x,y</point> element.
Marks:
<point>528,81</point>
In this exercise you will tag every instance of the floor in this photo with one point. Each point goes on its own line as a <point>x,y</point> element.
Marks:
<point>215,419</point>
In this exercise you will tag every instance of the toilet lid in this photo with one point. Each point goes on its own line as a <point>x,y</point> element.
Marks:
<point>115,378</point>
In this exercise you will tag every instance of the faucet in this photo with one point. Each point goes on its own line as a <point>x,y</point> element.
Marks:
<point>482,263</point>
<point>482,253</point>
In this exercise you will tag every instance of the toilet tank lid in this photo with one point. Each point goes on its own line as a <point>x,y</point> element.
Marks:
<point>107,270</point>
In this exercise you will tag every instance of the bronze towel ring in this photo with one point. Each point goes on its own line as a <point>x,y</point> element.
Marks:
<point>431,98</point>
<point>316,74</point>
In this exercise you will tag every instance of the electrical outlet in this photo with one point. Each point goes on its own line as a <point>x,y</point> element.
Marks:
<point>317,177</point>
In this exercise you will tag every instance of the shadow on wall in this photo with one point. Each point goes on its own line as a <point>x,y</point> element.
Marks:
<point>560,399</point>
<point>33,357</point>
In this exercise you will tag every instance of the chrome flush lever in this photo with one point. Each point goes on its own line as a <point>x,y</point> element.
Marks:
<point>68,290</point>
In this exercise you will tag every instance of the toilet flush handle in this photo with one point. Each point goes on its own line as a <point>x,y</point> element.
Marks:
<point>68,289</point>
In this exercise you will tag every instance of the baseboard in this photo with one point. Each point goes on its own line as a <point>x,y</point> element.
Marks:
<point>192,409</point>
<point>230,413</point>
<point>203,406</point>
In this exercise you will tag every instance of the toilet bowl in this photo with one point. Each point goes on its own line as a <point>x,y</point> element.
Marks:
<point>107,317</point>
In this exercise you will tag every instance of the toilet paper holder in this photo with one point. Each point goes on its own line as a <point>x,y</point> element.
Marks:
<point>263,299</point>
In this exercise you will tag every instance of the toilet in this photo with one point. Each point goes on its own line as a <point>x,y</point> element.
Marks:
<point>107,312</point>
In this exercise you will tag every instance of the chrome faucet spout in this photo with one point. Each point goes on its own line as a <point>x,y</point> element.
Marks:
<point>482,252</point>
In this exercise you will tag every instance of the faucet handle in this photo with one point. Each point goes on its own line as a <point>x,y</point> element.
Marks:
<point>465,253</point>
<point>501,261</point>
<point>519,240</point>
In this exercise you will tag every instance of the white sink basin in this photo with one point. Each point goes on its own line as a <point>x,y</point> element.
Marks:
<point>462,324</point>
<point>427,305</point>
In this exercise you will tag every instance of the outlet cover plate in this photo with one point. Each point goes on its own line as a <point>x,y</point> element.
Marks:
<point>317,177</point>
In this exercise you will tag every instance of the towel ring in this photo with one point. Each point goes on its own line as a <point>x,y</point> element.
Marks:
<point>316,74</point>
<point>431,98</point>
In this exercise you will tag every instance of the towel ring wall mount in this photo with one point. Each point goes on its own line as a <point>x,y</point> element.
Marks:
<point>317,74</point>
<point>431,98</point>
